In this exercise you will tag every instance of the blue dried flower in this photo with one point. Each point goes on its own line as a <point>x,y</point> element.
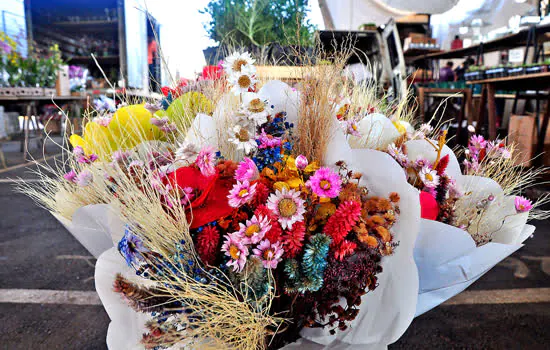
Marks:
<point>131,247</point>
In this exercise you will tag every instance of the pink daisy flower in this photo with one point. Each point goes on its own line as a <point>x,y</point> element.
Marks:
<point>301,162</point>
<point>477,142</point>
<point>325,183</point>
<point>398,155</point>
<point>84,178</point>
<point>287,206</point>
<point>241,193</point>
<point>247,170</point>
<point>237,252</point>
<point>269,254</point>
<point>351,128</point>
<point>522,204</point>
<point>254,229</point>
<point>206,161</point>
<point>420,163</point>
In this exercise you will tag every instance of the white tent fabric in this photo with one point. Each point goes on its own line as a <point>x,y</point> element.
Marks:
<point>350,14</point>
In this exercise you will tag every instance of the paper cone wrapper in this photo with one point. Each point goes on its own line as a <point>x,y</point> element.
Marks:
<point>97,227</point>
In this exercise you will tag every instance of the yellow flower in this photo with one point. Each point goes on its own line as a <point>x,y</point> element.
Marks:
<point>400,126</point>
<point>129,127</point>
<point>291,165</point>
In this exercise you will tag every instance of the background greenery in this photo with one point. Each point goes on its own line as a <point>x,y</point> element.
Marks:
<point>259,22</point>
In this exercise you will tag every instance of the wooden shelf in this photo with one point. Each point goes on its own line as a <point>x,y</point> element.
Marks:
<point>87,59</point>
<point>86,23</point>
<point>417,52</point>
<point>503,43</point>
<point>511,78</point>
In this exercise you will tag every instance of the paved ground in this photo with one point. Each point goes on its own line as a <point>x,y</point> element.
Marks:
<point>37,253</point>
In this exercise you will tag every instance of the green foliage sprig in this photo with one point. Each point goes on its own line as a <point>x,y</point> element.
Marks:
<point>259,22</point>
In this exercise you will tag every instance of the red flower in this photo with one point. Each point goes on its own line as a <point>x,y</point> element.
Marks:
<point>275,233</point>
<point>345,248</point>
<point>211,203</point>
<point>342,221</point>
<point>211,73</point>
<point>442,165</point>
<point>429,208</point>
<point>260,198</point>
<point>294,239</point>
<point>207,244</point>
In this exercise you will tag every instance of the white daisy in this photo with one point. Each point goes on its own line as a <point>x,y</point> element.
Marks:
<point>256,108</point>
<point>243,138</point>
<point>235,61</point>
<point>429,177</point>
<point>243,80</point>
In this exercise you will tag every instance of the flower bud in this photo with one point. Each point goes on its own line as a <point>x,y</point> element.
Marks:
<point>301,162</point>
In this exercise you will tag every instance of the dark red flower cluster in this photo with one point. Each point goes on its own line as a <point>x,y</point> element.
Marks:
<point>207,244</point>
<point>275,233</point>
<point>294,239</point>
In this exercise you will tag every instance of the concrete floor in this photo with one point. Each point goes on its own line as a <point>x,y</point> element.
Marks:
<point>36,252</point>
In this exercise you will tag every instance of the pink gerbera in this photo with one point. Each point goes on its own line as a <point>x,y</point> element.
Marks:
<point>287,206</point>
<point>269,254</point>
<point>247,170</point>
<point>206,161</point>
<point>236,251</point>
<point>254,229</point>
<point>241,193</point>
<point>477,142</point>
<point>325,183</point>
<point>522,204</point>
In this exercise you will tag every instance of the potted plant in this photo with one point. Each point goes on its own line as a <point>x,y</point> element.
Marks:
<point>368,26</point>
<point>515,70</point>
<point>274,31</point>
<point>533,68</point>
<point>496,72</point>
<point>475,73</point>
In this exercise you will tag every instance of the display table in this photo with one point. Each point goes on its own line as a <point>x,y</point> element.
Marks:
<point>466,106</point>
<point>30,124</point>
<point>538,82</point>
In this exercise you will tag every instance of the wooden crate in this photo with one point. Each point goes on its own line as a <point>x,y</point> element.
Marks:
<point>522,131</point>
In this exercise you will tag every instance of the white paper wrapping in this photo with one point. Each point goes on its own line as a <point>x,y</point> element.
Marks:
<point>447,258</point>
<point>448,261</point>
<point>97,227</point>
<point>127,326</point>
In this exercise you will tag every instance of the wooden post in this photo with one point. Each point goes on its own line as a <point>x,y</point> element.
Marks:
<point>491,106</point>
